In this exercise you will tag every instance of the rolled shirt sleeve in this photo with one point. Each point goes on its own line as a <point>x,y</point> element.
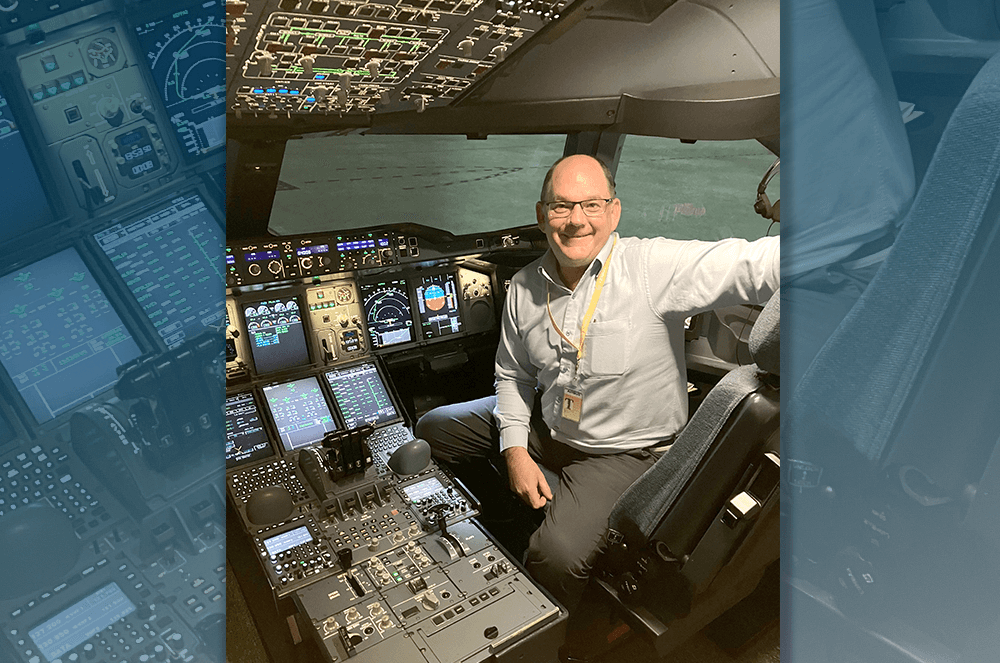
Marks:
<point>516,379</point>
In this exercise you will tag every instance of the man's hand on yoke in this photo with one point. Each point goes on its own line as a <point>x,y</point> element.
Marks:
<point>526,479</point>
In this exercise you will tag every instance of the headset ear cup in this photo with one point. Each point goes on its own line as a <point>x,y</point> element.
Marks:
<point>762,205</point>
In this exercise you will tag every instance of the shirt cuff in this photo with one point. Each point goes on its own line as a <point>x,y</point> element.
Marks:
<point>513,436</point>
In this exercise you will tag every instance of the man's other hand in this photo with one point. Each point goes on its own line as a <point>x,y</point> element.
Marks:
<point>526,479</point>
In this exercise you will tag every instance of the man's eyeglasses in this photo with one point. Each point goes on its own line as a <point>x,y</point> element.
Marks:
<point>559,209</point>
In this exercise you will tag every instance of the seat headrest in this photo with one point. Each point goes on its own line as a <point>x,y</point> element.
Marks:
<point>765,337</point>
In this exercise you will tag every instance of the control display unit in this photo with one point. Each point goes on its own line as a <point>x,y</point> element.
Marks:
<point>277,339</point>
<point>81,621</point>
<point>287,540</point>
<point>387,309</point>
<point>361,395</point>
<point>300,412</point>
<point>168,258</point>
<point>437,305</point>
<point>20,188</point>
<point>246,438</point>
<point>184,50</point>
<point>60,339</point>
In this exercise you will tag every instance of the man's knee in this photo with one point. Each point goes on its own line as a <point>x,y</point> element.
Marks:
<point>429,427</point>
<point>456,432</point>
<point>558,564</point>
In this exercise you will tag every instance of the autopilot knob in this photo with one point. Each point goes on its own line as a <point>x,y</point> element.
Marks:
<point>274,266</point>
<point>111,110</point>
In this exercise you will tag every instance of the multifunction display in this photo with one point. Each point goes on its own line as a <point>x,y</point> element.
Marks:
<point>300,412</point>
<point>246,439</point>
<point>60,340</point>
<point>361,395</point>
<point>168,258</point>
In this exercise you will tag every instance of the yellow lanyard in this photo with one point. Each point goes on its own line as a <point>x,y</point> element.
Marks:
<point>585,325</point>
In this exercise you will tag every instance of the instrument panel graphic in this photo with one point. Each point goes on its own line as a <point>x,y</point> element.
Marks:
<point>60,339</point>
<point>184,51</point>
<point>387,308</point>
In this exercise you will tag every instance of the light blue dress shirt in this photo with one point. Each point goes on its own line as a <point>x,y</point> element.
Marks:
<point>632,374</point>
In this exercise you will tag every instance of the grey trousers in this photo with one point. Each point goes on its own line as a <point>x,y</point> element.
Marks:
<point>562,551</point>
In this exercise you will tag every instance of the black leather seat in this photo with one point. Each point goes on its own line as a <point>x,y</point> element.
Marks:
<point>694,534</point>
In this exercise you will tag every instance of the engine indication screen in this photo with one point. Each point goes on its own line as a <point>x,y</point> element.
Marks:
<point>81,621</point>
<point>277,338</point>
<point>169,260</point>
<point>300,412</point>
<point>186,53</point>
<point>246,439</point>
<point>287,540</point>
<point>60,339</point>
<point>387,308</point>
<point>437,304</point>
<point>361,395</point>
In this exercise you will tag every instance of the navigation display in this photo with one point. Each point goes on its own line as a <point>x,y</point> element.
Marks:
<point>300,412</point>
<point>169,260</point>
<point>246,439</point>
<point>20,187</point>
<point>361,396</point>
<point>81,621</point>
<point>60,340</point>
<point>277,338</point>
<point>387,308</point>
<point>437,304</point>
<point>185,50</point>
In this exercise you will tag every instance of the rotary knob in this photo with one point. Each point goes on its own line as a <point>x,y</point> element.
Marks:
<point>274,267</point>
<point>110,109</point>
<point>254,269</point>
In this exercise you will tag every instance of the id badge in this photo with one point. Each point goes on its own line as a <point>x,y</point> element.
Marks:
<point>572,404</point>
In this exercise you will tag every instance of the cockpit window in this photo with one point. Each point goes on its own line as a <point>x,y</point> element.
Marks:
<point>446,182</point>
<point>701,191</point>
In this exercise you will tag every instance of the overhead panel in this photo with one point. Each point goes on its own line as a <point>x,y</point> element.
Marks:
<point>316,57</point>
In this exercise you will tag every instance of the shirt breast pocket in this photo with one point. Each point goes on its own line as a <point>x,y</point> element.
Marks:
<point>608,347</point>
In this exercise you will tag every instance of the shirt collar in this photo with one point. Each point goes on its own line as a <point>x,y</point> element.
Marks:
<point>548,266</point>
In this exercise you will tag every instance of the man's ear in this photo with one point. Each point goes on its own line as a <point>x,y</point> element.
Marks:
<point>540,214</point>
<point>616,213</point>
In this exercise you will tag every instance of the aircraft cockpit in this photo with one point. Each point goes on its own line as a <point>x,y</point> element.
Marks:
<point>383,166</point>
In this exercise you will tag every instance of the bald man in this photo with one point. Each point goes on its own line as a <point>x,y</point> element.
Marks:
<point>590,374</point>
